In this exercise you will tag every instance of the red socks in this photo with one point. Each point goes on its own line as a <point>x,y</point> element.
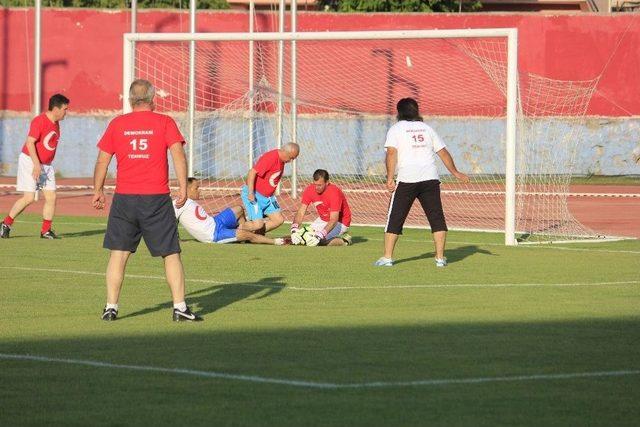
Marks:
<point>8,220</point>
<point>46,225</point>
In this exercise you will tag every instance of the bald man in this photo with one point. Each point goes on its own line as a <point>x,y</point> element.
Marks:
<point>262,180</point>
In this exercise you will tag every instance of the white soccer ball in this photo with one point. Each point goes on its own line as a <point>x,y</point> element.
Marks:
<point>306,236</point>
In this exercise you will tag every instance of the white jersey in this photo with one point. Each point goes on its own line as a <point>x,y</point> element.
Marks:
<point>417,145</point>
<point>196,221</point>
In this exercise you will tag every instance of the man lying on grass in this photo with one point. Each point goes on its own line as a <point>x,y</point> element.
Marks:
<point>226,227</point>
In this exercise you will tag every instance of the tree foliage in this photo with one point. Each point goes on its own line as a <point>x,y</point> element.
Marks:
<point>400,5</point>
<point>121,4</point>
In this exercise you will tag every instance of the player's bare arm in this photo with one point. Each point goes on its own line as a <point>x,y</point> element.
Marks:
<point>31,147</point>
<point>251,182</point>
<point>297,219</point>
<point>334,217</point>
<point>450,165</point>
<point>180,167</point>
<point>99,175</point>
<point>391,159</point>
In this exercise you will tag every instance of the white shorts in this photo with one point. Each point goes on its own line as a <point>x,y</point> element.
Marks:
<point>25,181</point>
<point>337,231</point>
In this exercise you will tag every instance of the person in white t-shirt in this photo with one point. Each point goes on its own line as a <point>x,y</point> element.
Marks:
<point>227,227</point>
<point>411,151</point>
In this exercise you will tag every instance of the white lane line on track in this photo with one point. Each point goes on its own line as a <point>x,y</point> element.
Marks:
<point>321,385</point>
<point>343,288</point>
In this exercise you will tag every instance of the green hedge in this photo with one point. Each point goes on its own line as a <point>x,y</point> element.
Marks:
<point>121,4</point>
<point>400,5</point>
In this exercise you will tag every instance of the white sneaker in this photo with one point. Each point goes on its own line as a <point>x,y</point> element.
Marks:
<point>384,262</point>
<point>441,262</point>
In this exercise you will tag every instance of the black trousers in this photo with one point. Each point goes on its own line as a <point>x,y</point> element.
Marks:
<point>428,193</point>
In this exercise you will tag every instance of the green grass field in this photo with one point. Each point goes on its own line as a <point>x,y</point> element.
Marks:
<point>296,336</point>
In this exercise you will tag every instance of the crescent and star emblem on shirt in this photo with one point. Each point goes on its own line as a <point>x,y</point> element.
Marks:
<point>200,213</point>
<point>272,178</point>
<point>46,140</point>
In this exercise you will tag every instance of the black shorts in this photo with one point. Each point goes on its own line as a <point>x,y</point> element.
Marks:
<point>151,216</point>
<point>428,193</point>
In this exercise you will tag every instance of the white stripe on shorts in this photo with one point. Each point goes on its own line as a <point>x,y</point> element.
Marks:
<point>393,195</point>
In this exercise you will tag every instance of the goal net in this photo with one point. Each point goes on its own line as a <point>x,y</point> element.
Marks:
<point>336,98</point>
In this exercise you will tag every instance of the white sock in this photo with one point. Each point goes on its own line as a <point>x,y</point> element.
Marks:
<point>182,306</point>
<point>114,306</point>
<point>279,241</point>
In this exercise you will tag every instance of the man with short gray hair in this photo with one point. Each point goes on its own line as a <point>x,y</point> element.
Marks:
<point>262,181</point>
<point>142,205</point>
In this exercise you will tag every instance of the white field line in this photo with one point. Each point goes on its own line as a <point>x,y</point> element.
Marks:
<point>374,239</point>
<point>321,385</point>
<point>344,288</point>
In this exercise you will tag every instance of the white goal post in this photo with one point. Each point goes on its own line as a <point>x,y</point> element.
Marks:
<point>501,68</point>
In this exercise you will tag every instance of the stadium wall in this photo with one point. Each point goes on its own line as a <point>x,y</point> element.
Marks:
<point>609,146</point>
<point>81,57</point>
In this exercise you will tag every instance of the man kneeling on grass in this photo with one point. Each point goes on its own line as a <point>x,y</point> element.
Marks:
<point>334,214</point>
<point>227,227</point>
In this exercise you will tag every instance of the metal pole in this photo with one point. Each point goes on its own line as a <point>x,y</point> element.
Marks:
<point>192,84</point>
<point>134,16</point>
<point>251,82</point>
<point>510,172</point>
<point>280,109</point>
<point>127,72</point>
<point>134,29</point>
<point>294,95</point>
<point>37,70</point>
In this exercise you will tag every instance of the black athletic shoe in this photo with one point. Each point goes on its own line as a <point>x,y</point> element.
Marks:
<point>49,235</point>
<point>4,231</point>
<point>185,316</point>
<point>109,314</point>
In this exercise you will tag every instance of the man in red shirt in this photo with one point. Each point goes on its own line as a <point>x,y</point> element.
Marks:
<point>35,171</point>
<point>262,181</point>
<point>334,214</point>
<point>142,205</point>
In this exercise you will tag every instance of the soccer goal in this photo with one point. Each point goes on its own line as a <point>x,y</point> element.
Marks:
<point>237,95</point>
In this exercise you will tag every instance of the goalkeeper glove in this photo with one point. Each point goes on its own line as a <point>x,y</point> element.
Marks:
<point>296,236</point>
<point>317,237</point>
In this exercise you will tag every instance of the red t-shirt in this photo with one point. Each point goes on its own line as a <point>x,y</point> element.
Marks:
<point>332,199</point>
<point>46,133</point>
<point>140,141</point>
<point>269,170</point>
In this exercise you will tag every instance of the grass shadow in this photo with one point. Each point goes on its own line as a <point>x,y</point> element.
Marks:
<point>453,255</point>
<point>211,299</point>
<point>85,233</point>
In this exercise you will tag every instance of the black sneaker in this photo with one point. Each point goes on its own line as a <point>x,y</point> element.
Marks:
<point>109,314</point>
<point>49,235</point>
<point>185,316</point>
<point>4,231</point>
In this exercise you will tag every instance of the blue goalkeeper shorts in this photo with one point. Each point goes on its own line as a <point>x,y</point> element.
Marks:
<point>261,208</point>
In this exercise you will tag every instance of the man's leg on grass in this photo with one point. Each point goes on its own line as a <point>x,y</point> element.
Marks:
<point>274,220</point>
<point>251,237</point>
<point>337,241</point>
<point>19,205</point>
<point>390,240</point>
<point>440,239</point>
<point>115,274</point>
<point>174,273</point>
<point>48,211</point>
